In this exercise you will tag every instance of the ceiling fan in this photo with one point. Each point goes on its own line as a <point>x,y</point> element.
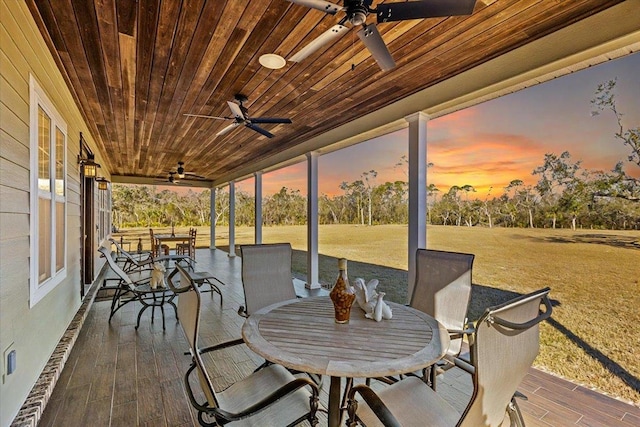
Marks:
<point>357,11</point>
<point>172,179</point>
<point>181,173</point>
<point>241,117</point>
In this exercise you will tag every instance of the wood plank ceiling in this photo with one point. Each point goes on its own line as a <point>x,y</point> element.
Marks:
<point>136,67</point>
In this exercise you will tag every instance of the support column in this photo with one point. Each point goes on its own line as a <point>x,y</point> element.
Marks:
<point>417,191</point>
<point>212,227</point>
<point>232,219</point>
<point>312,221</point>
<point>258,207</point>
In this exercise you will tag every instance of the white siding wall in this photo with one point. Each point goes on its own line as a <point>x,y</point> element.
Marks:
<point>34,332</point>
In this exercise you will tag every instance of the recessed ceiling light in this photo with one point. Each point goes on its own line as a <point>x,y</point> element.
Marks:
<point>273,61</point>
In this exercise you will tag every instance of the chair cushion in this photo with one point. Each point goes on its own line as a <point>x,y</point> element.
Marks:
<point>413,403</point>
<point>257,386</point>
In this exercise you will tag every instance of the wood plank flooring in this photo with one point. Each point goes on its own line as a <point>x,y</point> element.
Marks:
<point>117,376</point>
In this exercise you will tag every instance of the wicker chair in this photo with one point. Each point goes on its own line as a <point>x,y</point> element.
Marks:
<point>506,341</point>
<point>270,396</point>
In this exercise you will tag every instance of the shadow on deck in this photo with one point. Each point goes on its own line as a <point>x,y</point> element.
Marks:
<point>117,376</point>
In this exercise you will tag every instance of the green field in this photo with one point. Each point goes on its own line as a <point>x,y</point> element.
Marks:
<point>594,278</point>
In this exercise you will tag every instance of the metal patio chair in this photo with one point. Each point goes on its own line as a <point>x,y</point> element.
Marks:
<point>132,261</point>
<point>270,396</point>
<point>266,276</point>
<point>443,290</point>
<point>266,280</point>
<point>506,341</point>
<point>131,289</point>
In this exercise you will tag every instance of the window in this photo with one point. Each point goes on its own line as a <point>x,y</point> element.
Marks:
<point>104,213</point>
<point>48,195</point>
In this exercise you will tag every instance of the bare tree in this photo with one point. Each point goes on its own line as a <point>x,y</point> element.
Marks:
<point>620,184</point>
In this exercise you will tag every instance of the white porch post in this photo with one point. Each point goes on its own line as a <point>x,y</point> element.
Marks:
<point>258,207</point>
<point>417,190</point>
<point>232,219</point>
<point>212,227</point>
<point>312,221</point>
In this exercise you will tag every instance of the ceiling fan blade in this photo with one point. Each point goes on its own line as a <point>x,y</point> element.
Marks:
<point>324,38</point>
<point>206,117</point>
<point>259,130</point>
<point>236,110</point>
<point>325,6</point>
<point>195,175</point>
<point>228,128</point>
<point>269,120</point>
<point>372,39</point>
<point>389,12</point>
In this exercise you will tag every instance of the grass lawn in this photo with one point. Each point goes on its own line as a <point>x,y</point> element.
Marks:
<point>594,278</point>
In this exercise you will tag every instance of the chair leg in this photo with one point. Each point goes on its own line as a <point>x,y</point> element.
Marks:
<point>515,416</point>
<point>347,389</point>
<point>352,407</point>
<point>433,374</point>
<point>140,315</point>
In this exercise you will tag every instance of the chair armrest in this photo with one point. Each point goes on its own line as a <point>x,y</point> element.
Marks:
<point>243,311</point>
<point>459,333</point>
<point>172,286</point>
<point>377,406</point>
<point>270,399</point>
<point>464,365</point>
<point>286,389</point>
<point>221,346</point>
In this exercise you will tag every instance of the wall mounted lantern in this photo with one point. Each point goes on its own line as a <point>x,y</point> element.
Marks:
<point>89,166</point>
<point>103,184</point>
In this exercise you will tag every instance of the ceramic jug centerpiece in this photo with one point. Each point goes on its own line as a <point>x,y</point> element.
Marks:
<point>342,294</point>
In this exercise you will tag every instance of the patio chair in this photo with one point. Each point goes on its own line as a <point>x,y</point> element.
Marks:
<point>266,276</point>
<point>156,248</point>
<point>130,290</point>
<point>443,289</point>
<point>270,396</point>
<point>132,262</point>
<point>505,345</point>
<point>266,280</point>
<point>188,248</point>
<point>202,278</point>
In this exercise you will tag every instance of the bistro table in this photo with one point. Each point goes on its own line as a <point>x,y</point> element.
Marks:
<point>153,298</point>
<point>301,334</point>
<point>171,238</point>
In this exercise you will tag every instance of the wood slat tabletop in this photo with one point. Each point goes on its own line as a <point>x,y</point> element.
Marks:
<point>302,334</point>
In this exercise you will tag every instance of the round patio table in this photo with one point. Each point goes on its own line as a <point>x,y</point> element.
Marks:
<point>301,334</point>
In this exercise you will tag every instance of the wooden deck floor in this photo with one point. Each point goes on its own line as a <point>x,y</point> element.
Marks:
<point>117,376</point>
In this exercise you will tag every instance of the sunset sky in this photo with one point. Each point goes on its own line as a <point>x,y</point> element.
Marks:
<point>495,142</point>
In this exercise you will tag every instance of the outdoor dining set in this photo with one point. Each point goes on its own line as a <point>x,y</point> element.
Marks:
<point>379,372</point>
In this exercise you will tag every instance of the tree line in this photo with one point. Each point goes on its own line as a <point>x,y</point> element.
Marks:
<point>565,195</point>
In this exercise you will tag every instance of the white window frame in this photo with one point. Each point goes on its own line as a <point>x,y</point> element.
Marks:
<point>104,213</point>
<point>39,99</point>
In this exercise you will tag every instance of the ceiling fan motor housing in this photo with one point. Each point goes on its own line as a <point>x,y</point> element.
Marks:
<point>357,12</point>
